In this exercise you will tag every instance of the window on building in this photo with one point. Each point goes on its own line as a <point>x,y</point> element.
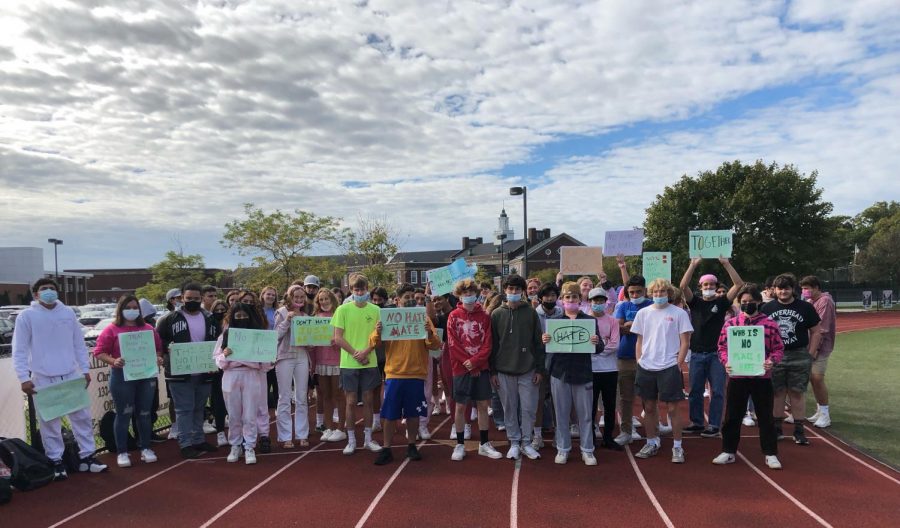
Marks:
<point>413,277</point>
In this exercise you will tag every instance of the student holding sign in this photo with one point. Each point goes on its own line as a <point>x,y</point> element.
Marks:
<point>292,368</point>
<point>241,383</point>
<point>571,377</point>
<point>48,348</point>
<point>749,326</point>
<point>133,397</point>
<point>327,361</point>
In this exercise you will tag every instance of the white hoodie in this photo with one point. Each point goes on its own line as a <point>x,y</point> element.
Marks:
<point>48,342</point>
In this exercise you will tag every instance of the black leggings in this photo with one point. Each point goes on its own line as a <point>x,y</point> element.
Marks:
<point>605,384</point>
<point>760,390</point>
<point>218,402</point>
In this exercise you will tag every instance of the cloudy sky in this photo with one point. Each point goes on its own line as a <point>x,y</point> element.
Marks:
<point>127,127</point>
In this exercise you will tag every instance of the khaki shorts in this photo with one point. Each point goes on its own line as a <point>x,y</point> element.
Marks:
<point>819,365</point>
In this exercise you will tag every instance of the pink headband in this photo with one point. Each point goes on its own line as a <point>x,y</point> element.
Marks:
<point>709,277</point>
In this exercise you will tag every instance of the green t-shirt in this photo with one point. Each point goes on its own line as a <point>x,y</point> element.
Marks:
<point>358,324</point>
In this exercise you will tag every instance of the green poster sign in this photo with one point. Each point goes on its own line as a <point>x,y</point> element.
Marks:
<point>571,335</point>
<point>138,349</point>
<point>403,323</point>
<point>252,345</point>
<point>311,331</point>
<point>657,265</point>
<point>746,350</point>
<point>192,358</point>
<point>710,244</point>
<point>62,398</point>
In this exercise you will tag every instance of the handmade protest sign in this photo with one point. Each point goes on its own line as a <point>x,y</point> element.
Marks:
<point>710,244</point>
<point>252,345</point>
<point>62,398</point>
<point>443,279</point>
<point>627,243</point>
<point>577,260</point>
<point>311,331</point>
<point>657,265</point>
<point>192,358</point>
<point>746,350</point>
<point>403,323</point>
<point>436,353</point>
<point>571,335</point>
<point>138,349</point>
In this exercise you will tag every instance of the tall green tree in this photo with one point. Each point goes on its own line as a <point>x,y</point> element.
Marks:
<point>172,272</point>
<point>880,261</point>
<point>779,219</point>
<point>373,243</point>
<point>863,224</point>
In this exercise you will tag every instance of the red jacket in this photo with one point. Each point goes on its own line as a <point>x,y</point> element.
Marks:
<point>468,338</point>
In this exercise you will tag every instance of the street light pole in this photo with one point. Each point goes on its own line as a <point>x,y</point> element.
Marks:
<point>56,243</point>
<point>515,191</point>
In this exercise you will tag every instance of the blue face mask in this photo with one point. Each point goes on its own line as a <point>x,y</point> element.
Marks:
<point>468,299</point>
<point>598,307</point>
<point>513,297</point>
<point>361,298</point>
<point>660,300</point>
<point>638,300</point>
<point>48,296</point>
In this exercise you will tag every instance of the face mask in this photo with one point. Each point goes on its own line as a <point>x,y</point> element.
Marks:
<point>606,285</point>
<point>192,306</point>
<point>131,315</point>
<point>548,306</point>
<point>48,296</point>
<point>365,297</point>
<point>660,300</point>
<point>513,297</point>
<point>481,298</point>
<point>638,300</point>
<point>410,303</point>
<point>598,308</point>
<point>571,306</point>
<point>708,293</point>
<point>805,295</point>
<point>218,317</point>
<point>532,297</point>
<point>468,299</point>
<point>749,309</point>
<point>178,305</point>
<point>239,323</point>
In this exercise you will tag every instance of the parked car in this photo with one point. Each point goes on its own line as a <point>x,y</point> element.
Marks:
<point>6,331</point>
<point>90,319</point>
<point>90,338</point>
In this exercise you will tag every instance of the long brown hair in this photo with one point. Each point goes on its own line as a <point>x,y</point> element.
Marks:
<point>288,300</point>
<point>123,301</point>
<point>328,293</point>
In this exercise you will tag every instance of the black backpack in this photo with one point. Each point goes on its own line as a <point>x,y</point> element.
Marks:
<point>5,486</point>
<point>107,433</point>
<point>30,469</point>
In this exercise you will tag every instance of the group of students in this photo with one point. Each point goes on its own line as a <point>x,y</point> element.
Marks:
<point>492,361</point>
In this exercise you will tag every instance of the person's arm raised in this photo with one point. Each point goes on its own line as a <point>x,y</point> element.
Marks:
<point>736,279</point>
<point>685,283</point>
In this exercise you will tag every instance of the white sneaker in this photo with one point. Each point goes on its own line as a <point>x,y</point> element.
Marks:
<point>325,434</point>
<point>148,456</point>
<point>589,459</point>
<point>530,451</point>
<point>724,458</point>
<point>789,419</point>
<point>748,420</point>
<point>815,415</point>
<point>823,421</point>
<point>372,446</point>
<point>221,440</point>
<point>459,452</point>
<point>636,435</point>
<point>489,451</point>
<point>351,447</point>
<point>249,456</point>
<point>467,432</point>
<point>678,455</point>
<point>664,429</point>
<point>537,443</point>
<point>597,432</point>
<point>573,431</point>
<point>453,432</point>
<point>336,436</point>
<point>623,439</point>
<point>561,457</point>
<point>423,433</point>
<point>173,434</point>
<point>208,428</point>
<point>773,462</point>
<point>235,454</point>
<point>513,452</point>
<point>635,422</point>
<point>123,460</point>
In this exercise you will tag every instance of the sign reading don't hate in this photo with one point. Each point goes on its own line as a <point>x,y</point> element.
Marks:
<point>403,323</point>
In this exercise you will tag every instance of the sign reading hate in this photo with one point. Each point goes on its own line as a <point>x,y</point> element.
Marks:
<point>571,335</point>
<point>403,323</point>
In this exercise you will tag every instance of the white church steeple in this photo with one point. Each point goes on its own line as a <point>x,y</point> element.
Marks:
<point>502,228</point>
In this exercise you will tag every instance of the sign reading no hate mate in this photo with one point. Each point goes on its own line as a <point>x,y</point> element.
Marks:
<point>710,244</point>
<point>311,331</point>
<point>62,398</point>
<point>403,323</point>
<point>746,350</point>
<point>628,243</point>
<point>577,260</point>
<point>571,335</point>
<point>252,345</point>
<point>192,358</point>
<point>138,349</point>
<point>657,265</point>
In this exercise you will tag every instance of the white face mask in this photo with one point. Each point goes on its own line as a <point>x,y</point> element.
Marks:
<point>708,293</point>
<point>131,315</point>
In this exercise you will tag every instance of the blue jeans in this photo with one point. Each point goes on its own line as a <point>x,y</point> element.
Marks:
<point>131,397</point>
<point>707,367</point>
<point>190,406</point>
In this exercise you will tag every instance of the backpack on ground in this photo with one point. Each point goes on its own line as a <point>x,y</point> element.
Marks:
<point>5,486</point>
<point>29,468</point>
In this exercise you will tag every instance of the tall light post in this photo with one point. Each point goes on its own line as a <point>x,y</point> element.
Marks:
<point>56,243</point>
<point>516,191</point>
<point>502,237</point>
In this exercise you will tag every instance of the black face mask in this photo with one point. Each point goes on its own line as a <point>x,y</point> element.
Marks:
<point>218,317</point>
<point>548,306</point>
<point>606,285</point>
<point>192,306</point>
<point>411,304</point>
<point>239,323</point>
<point>749,309</point>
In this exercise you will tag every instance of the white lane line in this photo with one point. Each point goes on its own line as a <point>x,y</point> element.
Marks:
<point>514,496</point>
<point>852,456</point>
<point>387,485</point>
<point>118,493</point>
<point>254,488</point>
<point>790,497</point>
<point>648,491</point>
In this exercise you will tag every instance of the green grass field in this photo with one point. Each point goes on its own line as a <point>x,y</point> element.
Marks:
<point>864,397</point>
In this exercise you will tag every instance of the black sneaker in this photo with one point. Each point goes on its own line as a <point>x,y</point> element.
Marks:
<point>710,432</point>
<point>800,438</point>
<point>693,428</point>
<point>59,471</point>
<point>412,453</point>
<point>384,457</point>
<point>157,438</point>
<point>90,464</point>
<point>205,447</point>
<point>320,428</point>
<point>189,452</point>
<point>265,445</point>
<point>611,445</point>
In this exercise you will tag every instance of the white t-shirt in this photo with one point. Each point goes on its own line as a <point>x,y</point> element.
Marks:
<point>660,330</point>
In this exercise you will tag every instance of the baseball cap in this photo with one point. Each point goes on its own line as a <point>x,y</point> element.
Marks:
<point>597,292</point>
<point>174,292</point>
<point>311,280</point>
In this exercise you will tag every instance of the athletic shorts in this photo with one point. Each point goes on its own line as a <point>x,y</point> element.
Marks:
<point>792,373</point>
<point>403,398</point>
<point>820,365</point>
<point>664,385</point>
<point>360,380</point>
<point>468,388</point>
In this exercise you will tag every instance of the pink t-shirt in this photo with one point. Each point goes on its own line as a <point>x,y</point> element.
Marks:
<point>108,340</point>
<point>824,306</point>
<point>197,326</point>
